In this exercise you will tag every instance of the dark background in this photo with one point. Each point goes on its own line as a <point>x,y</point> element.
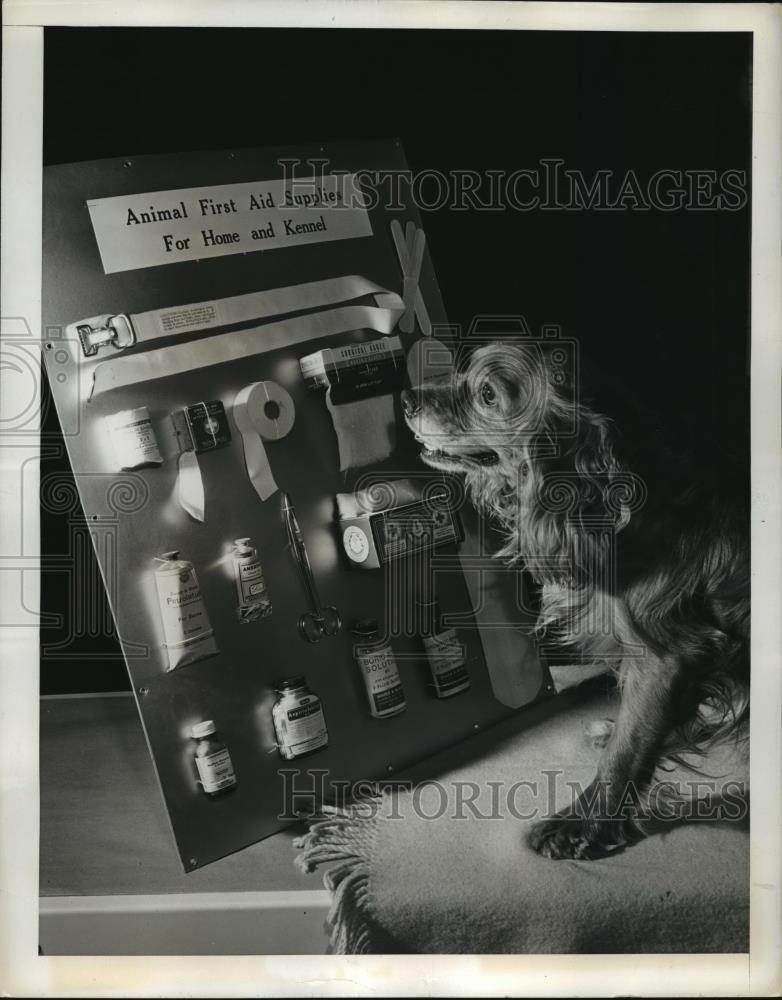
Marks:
<point>658,300</point>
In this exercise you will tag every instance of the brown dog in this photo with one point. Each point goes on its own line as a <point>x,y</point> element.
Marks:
<point>642,558</point>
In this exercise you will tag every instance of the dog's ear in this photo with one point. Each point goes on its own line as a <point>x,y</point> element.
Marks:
<point>595,465</point>
<point>594,448</point>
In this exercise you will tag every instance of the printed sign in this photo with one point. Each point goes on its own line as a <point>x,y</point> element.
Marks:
<point>164,227</point>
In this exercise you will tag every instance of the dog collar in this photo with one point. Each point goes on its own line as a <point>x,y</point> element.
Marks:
<point>118,331</point>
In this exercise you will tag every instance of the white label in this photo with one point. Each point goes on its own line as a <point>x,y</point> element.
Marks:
<point>356,544</point>
<point>164,227</point>
<point>133,438</point>
<point>198,317</point>
<point>181,607</point>
<point>216,771</point>
<point>250,584</point>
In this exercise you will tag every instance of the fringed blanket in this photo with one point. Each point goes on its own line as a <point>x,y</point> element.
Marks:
<point>444,867</point>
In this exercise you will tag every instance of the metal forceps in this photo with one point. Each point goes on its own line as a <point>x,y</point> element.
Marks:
<point>321,619</point>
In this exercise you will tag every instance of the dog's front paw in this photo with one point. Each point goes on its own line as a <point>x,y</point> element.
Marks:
<point>573,837</point>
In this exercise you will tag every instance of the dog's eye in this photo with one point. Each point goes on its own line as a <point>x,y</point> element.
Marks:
<point>488,395</point>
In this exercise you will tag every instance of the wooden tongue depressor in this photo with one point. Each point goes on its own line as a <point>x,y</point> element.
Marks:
<point>406,248</point>
<point>410,282</point>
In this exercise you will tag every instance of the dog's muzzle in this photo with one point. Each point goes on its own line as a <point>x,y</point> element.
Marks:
<point>411,403</point>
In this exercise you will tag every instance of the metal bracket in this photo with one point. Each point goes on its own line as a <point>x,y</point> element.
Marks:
<point>114,331</point>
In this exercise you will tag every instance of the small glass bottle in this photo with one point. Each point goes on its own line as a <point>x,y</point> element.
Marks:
<point>298,718</point>
<point>444,651</point>
<point>378,666</point>
<point>212,759</point>
<point>251,589</point>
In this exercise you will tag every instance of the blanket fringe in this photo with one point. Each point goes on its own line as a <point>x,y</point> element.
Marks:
<point>347,837</point>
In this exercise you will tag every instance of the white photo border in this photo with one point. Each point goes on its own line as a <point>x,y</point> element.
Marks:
<point>23,973</point>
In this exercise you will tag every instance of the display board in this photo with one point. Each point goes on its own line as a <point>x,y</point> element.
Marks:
<point>181,294</point>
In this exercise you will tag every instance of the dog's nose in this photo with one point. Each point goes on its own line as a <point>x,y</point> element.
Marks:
<point>410,403</point>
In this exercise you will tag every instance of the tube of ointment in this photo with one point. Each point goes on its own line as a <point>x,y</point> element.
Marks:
<point>251,590</point>
<point>188,634</point>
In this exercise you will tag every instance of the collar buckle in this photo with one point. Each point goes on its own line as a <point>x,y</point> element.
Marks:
<point>111,331</point>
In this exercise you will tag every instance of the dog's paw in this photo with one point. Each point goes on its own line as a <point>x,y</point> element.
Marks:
<point>563,837</point>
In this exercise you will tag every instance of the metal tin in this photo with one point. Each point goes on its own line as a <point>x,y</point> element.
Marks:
<point>201,427</point>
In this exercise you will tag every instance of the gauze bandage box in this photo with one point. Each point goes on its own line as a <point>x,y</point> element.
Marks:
<point>360,381</point>
<point>354,371</point>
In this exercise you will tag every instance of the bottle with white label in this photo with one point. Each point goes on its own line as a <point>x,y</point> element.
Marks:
<point>377,662</point>
<point>299,723</point>
<point>213,762</point>
<point>133,438</point>
<point>444,651</point>
<point>251,589</point>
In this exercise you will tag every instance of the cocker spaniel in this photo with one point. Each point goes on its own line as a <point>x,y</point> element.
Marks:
<point>642,560</point>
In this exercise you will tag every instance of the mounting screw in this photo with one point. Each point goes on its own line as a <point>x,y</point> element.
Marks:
<point>127,163</point>
<point>143,690</point>
<point>476,725</point>
<point>192,862</point>
<point>390,768</point>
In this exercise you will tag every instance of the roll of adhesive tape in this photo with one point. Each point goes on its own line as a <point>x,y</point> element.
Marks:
<point>262,410</point>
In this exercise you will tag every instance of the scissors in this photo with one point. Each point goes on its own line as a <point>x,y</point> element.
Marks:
<point>320,620</point>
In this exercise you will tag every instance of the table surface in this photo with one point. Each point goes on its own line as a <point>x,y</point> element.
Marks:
<point>104,828</point>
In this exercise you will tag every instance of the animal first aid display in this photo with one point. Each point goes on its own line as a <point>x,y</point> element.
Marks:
<point>209,351</point>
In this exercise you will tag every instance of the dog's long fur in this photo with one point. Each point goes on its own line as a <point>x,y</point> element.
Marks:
<point>642,557</point>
